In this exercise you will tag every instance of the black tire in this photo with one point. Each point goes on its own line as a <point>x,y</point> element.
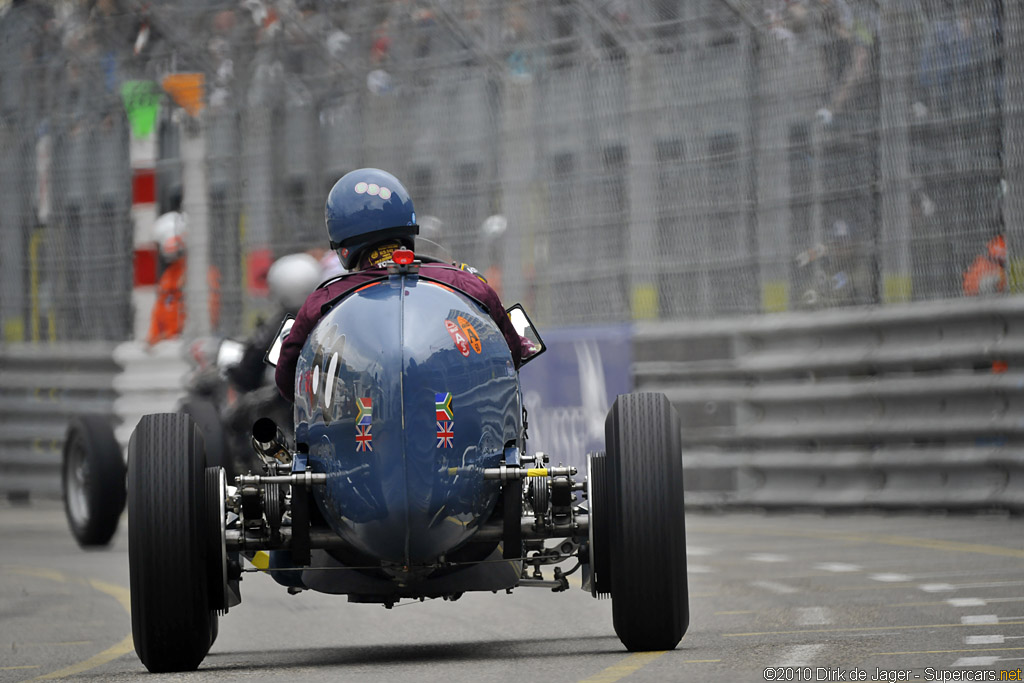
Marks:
<point>205,414</point>
<point>650,605</point>
<point>172,623</point>
<point>92,480</point>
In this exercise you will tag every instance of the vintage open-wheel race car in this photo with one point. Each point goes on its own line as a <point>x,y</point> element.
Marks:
<point>408,478</point>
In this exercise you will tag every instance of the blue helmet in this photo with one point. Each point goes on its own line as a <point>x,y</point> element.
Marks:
<point>367,206</point>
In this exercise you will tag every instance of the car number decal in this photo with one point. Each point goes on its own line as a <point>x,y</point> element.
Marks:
<point>470,332</point>
<point>458,337</point>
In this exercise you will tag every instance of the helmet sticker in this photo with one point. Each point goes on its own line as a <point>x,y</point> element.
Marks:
<point>458,337</point>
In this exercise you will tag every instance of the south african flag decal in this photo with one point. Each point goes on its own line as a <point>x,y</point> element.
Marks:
<point>364,416</point>
<point>443,407</point>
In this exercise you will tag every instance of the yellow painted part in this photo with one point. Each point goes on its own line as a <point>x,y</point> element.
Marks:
<point>1015,276</point>
<point>537,472</point>
<point>261,560</point>
<point>14,330</point>
<point>33,280</point>
<point>775,296</point>
<point>644,301</point>
<point>896,288</point>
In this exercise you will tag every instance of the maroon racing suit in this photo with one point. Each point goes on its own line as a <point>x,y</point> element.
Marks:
<point>310,314</point>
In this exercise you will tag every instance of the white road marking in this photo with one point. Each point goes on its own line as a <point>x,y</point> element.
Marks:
<point>891,578</point>
<point>698,569</point>
<point>699,551</point>
<point>767,557</point>
<point>976,661</point>
<point>936,587</point>
<point>984,640</point>
<point>966,602</point>
<point>774,587</point>
<point>813,616</point>
<point>801,655</point>
<point>837,567</point>
<point>979,619</point>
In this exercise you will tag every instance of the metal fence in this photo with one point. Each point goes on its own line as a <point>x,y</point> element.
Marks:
<point>651,159</point>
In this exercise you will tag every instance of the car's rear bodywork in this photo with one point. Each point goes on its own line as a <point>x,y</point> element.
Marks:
<point>405,393</point>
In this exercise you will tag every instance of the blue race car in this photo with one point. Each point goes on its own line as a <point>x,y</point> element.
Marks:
<point>409,478</point>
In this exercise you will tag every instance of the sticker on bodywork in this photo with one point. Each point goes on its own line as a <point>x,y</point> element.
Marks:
<point>471,335</point>
<point>458,337</point>
<point>364,423</point>
<point>445,415</point>
<point>445,434</point>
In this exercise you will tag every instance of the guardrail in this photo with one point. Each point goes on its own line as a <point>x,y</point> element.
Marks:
<point>43,386</point>
<point>900,406</point>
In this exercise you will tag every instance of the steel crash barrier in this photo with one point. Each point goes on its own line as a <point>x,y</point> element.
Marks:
<point>907,405</point>
<point>43,387</point>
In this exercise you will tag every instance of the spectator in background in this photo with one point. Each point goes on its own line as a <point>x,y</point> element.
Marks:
<point>987,275</point>
<point>167,320</point>
<point>848,51</point>
<point>168,317</point>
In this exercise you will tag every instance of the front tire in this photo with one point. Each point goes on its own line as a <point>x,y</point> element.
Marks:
<point>172,623</point>
<point>93,480</point>
<point>650,606</point>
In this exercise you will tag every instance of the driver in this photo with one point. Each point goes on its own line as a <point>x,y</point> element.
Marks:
<point>369,216</point>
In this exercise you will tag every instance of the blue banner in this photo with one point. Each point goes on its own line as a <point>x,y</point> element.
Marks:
<point>569,389</point>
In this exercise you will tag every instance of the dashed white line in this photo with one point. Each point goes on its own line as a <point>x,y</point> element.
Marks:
<point>801,655</point>
<point>984,640</point>
<point>767,557</point>
<point>837,567</point>
<point>774,587</point>
<point>976,661</point>
<point>699,551</point>
<point>966,602</point>
<point>891,578</point>
<point>979,619</point>
<point>936,587</point>
<point>698,569</point>
<point>813,616</point>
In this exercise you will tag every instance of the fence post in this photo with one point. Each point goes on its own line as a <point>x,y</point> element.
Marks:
<point>894,232</point>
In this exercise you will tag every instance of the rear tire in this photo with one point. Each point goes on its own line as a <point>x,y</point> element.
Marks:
<point>172,623</point>
<point>93,480</point>
<point>650,606</point>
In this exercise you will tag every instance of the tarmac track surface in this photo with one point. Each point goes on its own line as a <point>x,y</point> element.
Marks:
<point>811,597</point>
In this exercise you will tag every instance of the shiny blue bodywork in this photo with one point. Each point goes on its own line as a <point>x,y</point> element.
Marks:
<point>406,496</point>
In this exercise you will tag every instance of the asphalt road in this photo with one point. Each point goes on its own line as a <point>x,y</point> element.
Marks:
<point>812,597</point>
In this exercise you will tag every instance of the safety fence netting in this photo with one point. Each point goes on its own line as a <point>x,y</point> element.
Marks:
<point>600,161</point>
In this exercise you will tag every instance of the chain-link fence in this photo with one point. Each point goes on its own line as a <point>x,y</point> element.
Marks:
<point>648,159</point>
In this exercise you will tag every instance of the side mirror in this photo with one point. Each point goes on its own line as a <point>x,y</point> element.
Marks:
<point>524,327</point>
<point>274,352</point>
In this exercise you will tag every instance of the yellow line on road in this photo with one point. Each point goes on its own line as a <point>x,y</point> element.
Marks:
<point>624,668</point>
<point>110,654</point>
<point>864,628</point>
<point>119,593</point>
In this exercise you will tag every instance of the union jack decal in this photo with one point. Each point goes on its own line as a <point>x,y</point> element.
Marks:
<point>445,434</point>
<point>443,407</point>
<point>365,408</point>
<point>364,440</point>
